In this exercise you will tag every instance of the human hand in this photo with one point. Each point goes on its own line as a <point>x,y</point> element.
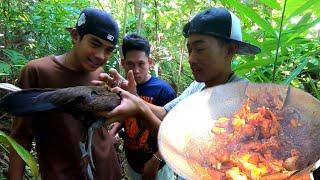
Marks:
<point>114,79</point>
<point>113,132</point>
<point>150,169</point>
<point>130,106</point>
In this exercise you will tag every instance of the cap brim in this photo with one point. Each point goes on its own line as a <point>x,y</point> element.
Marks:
<point>69,29</point>
<point>246,48</point>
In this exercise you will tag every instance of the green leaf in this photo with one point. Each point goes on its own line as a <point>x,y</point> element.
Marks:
<point>296,72</point>
<point>314,88</point>
<point>251,14</point>
<point>297,30</point>
<point>5,67</point>
<point>23,153</point>
<point>271,3</point>
<point>14,56</point>
<point>304,7</point>
<point>252,64</point>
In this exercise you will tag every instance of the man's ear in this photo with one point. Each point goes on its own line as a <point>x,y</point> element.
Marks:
<point>233,48</point>
<point>74,35</point>
<point>151,62</point>
<point>122,61</point>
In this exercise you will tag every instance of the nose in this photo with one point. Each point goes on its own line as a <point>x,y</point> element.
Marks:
<point>135,69</point>
<point>192,58</point>
<point>100,55</point>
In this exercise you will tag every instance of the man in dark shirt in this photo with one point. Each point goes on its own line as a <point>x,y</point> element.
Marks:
<point>140,145</point>
<point>57,134</point>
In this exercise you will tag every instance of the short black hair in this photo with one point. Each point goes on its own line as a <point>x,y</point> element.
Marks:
<point>135,42</point>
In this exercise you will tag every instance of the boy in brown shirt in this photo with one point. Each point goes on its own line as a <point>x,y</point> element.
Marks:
<point>57,134</point>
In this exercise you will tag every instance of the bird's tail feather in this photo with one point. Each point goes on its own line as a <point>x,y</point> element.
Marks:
<point>9,87</point>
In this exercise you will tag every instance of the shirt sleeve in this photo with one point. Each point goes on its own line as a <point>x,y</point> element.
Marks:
<point>167,94</point>
<point>194,87</point>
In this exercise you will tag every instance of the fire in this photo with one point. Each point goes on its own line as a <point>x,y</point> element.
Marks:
<point>245,146</point>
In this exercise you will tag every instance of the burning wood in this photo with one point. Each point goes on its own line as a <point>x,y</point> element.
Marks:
<point>246,146</point>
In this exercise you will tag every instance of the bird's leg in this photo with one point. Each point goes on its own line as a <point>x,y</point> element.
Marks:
<point>83,154</point>
<point>98,124</point>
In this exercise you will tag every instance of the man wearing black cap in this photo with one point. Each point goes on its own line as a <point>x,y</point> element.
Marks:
<point>57,134</point>
<point>214,37</point>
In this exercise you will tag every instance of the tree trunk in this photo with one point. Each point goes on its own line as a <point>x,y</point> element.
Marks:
<point>138,12</point>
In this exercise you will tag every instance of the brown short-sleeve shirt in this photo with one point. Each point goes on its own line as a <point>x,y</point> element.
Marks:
<point>58,134</point>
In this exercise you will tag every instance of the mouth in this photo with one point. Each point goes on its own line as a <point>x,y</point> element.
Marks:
<point>137,79</point>
<point>195,70</point>
<point>95,63</point>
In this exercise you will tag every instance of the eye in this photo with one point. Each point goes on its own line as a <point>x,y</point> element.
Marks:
<point>200,49</point>
<point>94,93</point>
<point>129,64</point>
<point>109,50</point>
<point>141,64</point>
<point>94,44</point>
<point>189,51</point>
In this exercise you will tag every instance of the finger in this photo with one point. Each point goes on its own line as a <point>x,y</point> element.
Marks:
<point>106,78</point>
<point>117,90</point>
<point>97,82</point>
<point>115,114</point>
<point>132,85</point>
<point>130,77</point>
<point>115,74</point>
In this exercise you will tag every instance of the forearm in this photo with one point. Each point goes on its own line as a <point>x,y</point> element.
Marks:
<point>159,111</point>
<point>22,133</point>
<point>16,163</point>
<point>16,166</point>
<point>149,118</point>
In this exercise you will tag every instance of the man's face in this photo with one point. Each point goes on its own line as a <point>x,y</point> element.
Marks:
<point>139,63</point>
<point>92,52</point>
<point>208,59</point>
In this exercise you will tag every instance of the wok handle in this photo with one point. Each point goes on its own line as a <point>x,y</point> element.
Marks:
<point>315,171</point>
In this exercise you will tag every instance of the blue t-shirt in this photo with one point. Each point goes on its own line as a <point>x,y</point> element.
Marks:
<point>156,91</point>
<point>139,143</point>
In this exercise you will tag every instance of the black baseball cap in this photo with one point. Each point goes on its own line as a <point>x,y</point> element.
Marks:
<point>219,22</point>
<point>99,23</point>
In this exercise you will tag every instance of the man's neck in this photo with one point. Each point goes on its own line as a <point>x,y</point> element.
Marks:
<point>69,61</point>
<point>224,79</point>
<point>147,79</point>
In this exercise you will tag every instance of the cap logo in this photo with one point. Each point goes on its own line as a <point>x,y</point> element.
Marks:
<point>110,37</point>
<point>82,19</point>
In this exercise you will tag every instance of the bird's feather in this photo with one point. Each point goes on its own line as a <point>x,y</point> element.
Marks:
<point>74,99</point>
<point>9,87</point>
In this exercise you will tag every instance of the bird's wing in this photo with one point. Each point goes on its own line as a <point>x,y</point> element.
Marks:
<point>22,103</point>
<point>74,99</point>
<point>66,97</point>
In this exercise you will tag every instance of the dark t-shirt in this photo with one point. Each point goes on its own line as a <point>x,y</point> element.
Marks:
<point>139,143</point>
<point>57,134</point>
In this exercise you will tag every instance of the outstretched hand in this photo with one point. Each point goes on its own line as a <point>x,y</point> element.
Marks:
<point>114,79</point>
